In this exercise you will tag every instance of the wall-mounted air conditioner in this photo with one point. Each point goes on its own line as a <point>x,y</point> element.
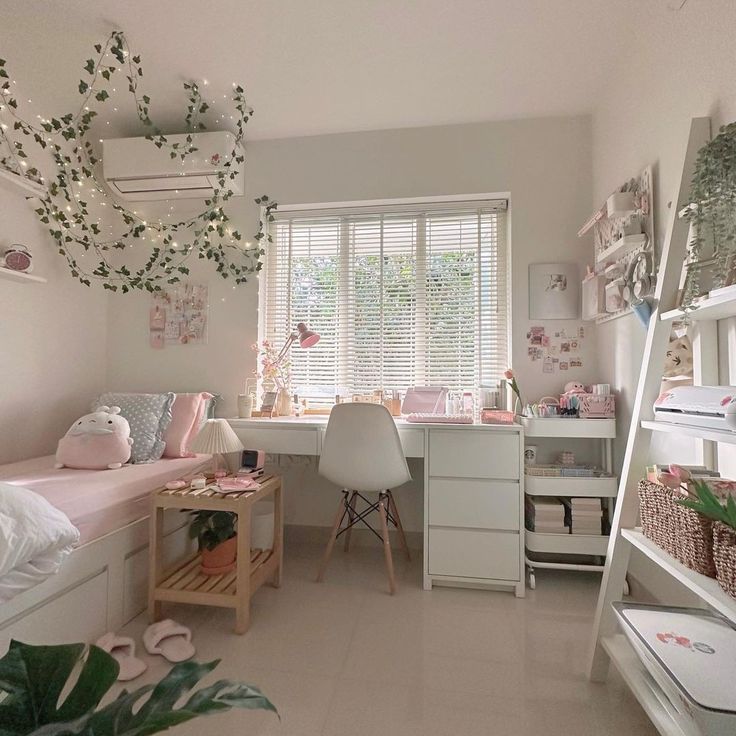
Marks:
<point>137,170</point>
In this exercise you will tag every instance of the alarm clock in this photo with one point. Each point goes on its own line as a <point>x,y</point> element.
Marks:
<point>18,258</point>
<point>251,463</point>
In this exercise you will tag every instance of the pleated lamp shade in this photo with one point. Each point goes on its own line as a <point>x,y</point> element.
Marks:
<point>216,438</point>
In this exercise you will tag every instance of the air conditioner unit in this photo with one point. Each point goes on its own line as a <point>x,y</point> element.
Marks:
<point>713,407</point>
<point>137,170</point>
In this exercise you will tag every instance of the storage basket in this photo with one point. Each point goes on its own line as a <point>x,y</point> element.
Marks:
<point>724,553</point>
<point>678,530</point>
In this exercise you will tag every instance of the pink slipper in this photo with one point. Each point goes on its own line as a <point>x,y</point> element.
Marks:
<point>122,649</point>
<point>169,639</point>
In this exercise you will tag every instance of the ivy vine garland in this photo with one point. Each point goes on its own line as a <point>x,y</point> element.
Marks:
<point>712,212</point>
<point>65,210</point>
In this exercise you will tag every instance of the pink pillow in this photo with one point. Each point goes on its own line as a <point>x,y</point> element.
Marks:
<point>186,416</point>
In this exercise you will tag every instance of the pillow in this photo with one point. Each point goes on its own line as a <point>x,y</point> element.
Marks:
<point>186,416</point>
<point>30,528</point>
<point>148,415</point>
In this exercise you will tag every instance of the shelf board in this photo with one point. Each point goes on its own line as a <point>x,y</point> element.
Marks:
<point>687,430</point>
<point>539,485</point>
<point>704,587</point>
<point>571,544</point>
<point>569,427</point>
<point>8,273</point>
<point>713,308</point>
<point>621,247</point>
<point>646,691</point>
<point>32,188</point>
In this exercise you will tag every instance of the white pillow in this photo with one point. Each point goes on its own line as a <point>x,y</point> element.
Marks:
<point>30,527</point>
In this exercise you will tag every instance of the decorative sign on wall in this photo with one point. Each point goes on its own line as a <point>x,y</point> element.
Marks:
<point>178,316</point>
<point>554,291</point>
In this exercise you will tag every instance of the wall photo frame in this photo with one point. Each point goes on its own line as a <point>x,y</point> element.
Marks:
<point>554,291</point>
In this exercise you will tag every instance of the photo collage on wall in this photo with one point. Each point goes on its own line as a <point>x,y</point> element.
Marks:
<point>556,349</point>
<point>178,316</point>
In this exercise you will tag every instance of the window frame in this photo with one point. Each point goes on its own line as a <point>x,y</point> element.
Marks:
<point>497,200</point>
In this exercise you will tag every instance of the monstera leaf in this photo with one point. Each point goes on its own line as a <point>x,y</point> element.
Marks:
<point>32,679</point>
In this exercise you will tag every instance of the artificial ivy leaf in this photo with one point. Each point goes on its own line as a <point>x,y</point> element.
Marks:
<point>3,73</point>
<point>102,95</point>
<point>106,74</point>
<point>98,48</point>
<point>83,86</point>
<point>90,66</point>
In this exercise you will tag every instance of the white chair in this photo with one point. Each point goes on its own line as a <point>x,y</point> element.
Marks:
<point>362,454</point>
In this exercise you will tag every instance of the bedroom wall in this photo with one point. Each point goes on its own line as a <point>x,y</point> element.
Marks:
<point>544,163</point>
<point>52,341</point>
<point>680,66</point>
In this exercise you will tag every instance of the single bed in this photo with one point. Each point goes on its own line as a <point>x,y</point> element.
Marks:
<point>99,501</point>
<point>103,583</point>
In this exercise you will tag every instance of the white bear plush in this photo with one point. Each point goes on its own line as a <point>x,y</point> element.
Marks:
<point>96,441</point>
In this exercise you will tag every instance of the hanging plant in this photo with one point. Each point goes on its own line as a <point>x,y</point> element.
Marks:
<point>712,212</point>
<point>75,201</point>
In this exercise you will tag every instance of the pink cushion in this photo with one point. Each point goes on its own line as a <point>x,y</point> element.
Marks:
<point>187,412</point>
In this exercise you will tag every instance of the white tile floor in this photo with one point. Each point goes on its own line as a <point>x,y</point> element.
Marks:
<point>346,659</point>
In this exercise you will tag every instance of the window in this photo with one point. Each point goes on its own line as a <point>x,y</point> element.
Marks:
<point>401,296</point>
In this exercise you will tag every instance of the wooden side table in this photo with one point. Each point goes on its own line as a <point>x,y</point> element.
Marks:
<point>184,583</point>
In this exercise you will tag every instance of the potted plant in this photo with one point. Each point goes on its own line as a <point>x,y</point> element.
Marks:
<point>47,690</point>
<point>711,212</point>
<point>216,535</point>
<point>723,514</point>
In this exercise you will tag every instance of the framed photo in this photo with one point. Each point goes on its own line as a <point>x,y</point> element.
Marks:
<point>554,291</point>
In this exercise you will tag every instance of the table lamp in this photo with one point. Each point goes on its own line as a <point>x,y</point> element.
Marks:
<point>307,338</point>
<point>216,438</point>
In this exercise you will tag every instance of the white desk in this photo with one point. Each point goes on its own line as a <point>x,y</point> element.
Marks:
<point>473,492</point>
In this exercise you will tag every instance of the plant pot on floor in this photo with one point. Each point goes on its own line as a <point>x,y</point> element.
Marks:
<point>221,559</point>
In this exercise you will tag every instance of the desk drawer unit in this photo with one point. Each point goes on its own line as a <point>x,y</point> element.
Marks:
<point>279,440</point>
<point>480,504</point>
<point>473,454</point>
<point>476,553</point>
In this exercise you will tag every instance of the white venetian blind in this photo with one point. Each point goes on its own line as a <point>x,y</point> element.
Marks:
<point>401,296</point>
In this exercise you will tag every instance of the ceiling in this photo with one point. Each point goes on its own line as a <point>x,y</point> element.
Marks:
<point>324,66</point>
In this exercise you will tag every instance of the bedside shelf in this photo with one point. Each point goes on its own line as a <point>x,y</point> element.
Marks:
<point>8,273</point>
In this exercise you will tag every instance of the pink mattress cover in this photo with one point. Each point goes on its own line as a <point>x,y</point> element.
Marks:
<point>99,501</point>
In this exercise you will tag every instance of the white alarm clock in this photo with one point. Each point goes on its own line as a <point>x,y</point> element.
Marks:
<point>17,257</point>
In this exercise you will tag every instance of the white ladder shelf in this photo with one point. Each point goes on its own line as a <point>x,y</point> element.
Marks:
<point>607,646</point>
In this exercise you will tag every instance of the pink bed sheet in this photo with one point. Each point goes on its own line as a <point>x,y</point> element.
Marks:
<point>100,501</point>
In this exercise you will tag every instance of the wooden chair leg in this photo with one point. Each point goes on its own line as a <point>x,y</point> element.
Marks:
<point>351,516</point>
<point>399,528</point>
<point>333,536</point>
<point>386,543</point>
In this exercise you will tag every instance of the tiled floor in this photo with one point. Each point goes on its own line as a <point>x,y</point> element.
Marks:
<point>346,659</point>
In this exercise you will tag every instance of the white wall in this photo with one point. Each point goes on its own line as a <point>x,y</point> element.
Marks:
<point>680,66</point>
<point>545,164</point>
<point>52,341</point>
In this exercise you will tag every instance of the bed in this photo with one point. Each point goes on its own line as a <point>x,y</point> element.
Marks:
<point>102,584</point>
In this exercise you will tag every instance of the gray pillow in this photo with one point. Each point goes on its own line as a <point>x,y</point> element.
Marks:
<point>148,415</point>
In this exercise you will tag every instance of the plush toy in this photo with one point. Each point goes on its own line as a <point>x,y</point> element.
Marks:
<point>96,441</point>
<point>574,387</point>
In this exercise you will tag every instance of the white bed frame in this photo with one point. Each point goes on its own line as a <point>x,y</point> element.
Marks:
<point>100,587</point>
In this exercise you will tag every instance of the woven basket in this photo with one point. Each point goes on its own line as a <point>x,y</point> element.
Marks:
<point>679,531</point>
<point>724,552</point>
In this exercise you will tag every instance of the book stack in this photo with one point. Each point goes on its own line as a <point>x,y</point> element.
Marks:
<point>587,516</point>
<point>548,515</point>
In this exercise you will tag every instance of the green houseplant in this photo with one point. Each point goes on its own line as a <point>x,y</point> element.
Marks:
<point>216,535</point>
<point>33,678</point>
<point>712,212</point>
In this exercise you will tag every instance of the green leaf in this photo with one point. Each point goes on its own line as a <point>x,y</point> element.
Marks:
<point>90,66</point>
<point>102,95</point>
<point>83,86</point>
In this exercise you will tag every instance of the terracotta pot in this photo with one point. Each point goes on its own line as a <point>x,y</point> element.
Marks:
<point>221,559</point>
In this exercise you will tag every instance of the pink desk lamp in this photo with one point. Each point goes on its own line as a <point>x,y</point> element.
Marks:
<point>307,338</point>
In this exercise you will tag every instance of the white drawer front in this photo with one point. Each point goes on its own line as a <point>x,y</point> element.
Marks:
<point>473,454</point>
<point>279,441</point>
<point>474,554</point>
<point>483,504</point>
<point>412,440</point>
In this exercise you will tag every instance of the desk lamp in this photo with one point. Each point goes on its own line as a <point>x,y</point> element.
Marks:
<point>216,438</point>
<point>307,338</point>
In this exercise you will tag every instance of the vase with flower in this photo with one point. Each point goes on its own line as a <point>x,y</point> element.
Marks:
<point>274,374</point>
<point>514,386</point>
